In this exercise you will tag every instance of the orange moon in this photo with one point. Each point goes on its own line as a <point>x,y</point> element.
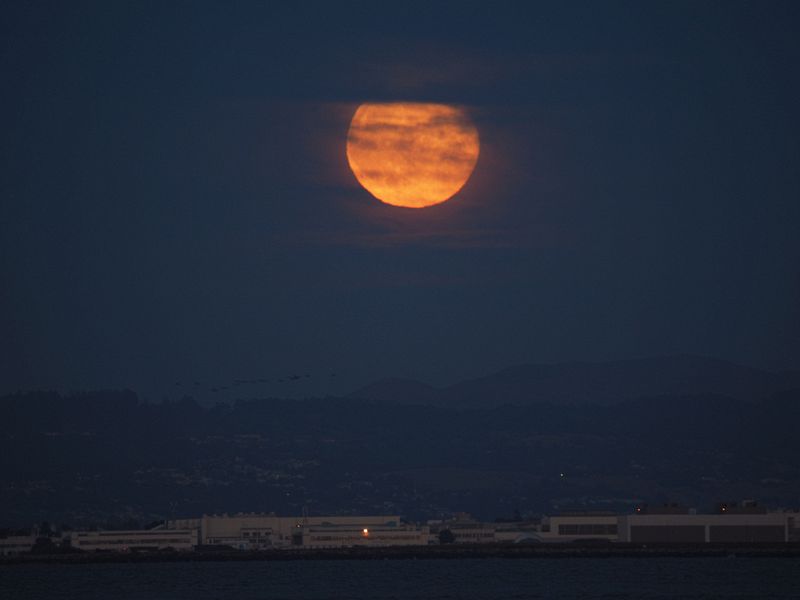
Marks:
<point>412,154</point>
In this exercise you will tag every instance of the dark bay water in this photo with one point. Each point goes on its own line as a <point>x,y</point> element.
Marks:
<point>755,578</point>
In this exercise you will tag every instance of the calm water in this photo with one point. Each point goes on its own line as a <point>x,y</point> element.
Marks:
<point>417,579</point>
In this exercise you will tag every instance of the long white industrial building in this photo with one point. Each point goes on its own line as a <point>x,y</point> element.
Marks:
<point>265,531</point>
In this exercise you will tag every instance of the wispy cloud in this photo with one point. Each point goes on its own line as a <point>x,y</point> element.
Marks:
<point>427,237</point>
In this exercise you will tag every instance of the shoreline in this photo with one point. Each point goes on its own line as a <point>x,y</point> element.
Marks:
<point>786,550</point>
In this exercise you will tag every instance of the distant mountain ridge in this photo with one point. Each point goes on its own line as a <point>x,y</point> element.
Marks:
<point>106,458</point>
<point>580,383</point>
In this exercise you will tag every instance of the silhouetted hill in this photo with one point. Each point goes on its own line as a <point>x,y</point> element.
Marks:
<point>581,383</point>
<point>106,458</point>
<point>400,391</point>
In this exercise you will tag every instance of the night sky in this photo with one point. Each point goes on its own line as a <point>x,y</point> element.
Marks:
<point>176,204</point>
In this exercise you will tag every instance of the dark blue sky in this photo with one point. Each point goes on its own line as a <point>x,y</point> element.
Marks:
<point>176,203</point>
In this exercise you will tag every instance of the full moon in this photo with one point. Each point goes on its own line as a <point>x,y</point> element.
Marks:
<point>412,154</point>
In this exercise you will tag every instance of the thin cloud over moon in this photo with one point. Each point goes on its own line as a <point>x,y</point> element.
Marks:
<point>412,154</point>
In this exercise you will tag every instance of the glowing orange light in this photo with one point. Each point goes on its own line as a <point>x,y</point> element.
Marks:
<point>412,154</point>
<point>365,531</point>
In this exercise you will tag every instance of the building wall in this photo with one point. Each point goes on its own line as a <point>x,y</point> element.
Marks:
<point>256,531</point>
<point>348,536</point>
<point>668,534</point>
<point>124,541</point>
<point>725,528</point>
<point>192,525</point>
<point>747,533</point>
<point>16,544</point>
<point>569,528</point>
<point>472,533</point>
<point>793,519</point>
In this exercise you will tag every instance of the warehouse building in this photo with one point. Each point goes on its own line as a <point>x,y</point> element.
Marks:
<point>263,531</point>
<point>16,544</point>
<point>134,540</point>
<point>580,526</point>
<point>339,536</point>
<point>730,524</point>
